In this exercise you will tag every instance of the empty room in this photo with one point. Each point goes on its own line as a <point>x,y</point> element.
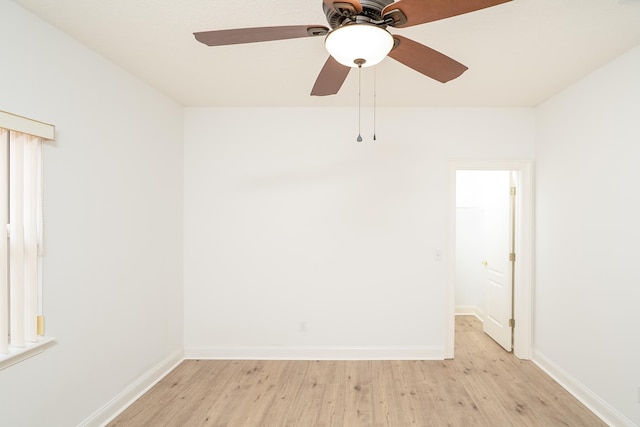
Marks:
<point>233,227</point>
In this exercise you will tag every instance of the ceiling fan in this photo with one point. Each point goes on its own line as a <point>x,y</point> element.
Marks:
<point>358,37</point>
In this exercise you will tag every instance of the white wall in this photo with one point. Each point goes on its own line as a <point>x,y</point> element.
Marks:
<point>588,205</point>
<point>470,292</point>
<point>113,187</point>
<point>289,220</point>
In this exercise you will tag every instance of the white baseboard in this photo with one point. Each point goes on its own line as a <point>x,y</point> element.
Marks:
<point>315,353</point>
<point>469,310</point>
<point>602,409</point>
<point>136,389</point>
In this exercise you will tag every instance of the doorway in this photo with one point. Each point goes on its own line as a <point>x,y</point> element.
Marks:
<point>490,250</point>
<point>485,219</point>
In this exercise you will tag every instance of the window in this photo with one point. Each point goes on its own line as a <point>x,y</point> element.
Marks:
<point>21,320</point>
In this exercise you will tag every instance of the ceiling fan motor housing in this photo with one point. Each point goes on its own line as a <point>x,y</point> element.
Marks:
<point>371,13</point>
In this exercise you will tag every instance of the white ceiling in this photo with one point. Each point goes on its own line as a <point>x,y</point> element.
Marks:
<point>519,53</point>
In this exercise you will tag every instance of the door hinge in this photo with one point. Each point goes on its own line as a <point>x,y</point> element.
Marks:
<point>513,191</point>
<point>512,323</point>
<point>512,257</point>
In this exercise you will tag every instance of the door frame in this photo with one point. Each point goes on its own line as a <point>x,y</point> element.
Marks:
<point>523,290</point>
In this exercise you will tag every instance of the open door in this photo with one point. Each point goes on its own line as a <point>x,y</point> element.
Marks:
<point>508,298</point>
<point>499,247</point>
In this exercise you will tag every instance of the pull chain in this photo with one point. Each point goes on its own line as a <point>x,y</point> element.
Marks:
<point>359,139</point>
<point>375,90</point>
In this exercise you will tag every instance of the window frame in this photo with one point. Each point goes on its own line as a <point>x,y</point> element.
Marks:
<point>13,122</point>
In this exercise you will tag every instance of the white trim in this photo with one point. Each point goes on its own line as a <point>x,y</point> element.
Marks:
<point>523,295</point>
<point>588,398</point>
<point>29,126</point>
<point>30,349</point>
<point>315,353</point>
<point>469,310</point>
<point>125,398</point>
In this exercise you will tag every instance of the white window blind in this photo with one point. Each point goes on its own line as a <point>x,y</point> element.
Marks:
<point>21,321</point>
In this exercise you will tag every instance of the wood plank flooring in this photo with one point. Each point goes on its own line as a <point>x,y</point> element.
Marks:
<point>482,386</point>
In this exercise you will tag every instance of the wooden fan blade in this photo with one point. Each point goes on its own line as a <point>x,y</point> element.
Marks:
<point>421,11</point>
<point>348,7</point>
<point>425,60</point>
<point>259,34</point>
<point>331,78</point>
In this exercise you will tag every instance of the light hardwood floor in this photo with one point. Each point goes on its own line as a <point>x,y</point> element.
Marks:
<point>482,386</point>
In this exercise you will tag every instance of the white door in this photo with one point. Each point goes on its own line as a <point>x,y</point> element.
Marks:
<point>498,246</point>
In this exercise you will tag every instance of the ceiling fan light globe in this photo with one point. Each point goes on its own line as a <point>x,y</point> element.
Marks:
<point>353,43</point>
